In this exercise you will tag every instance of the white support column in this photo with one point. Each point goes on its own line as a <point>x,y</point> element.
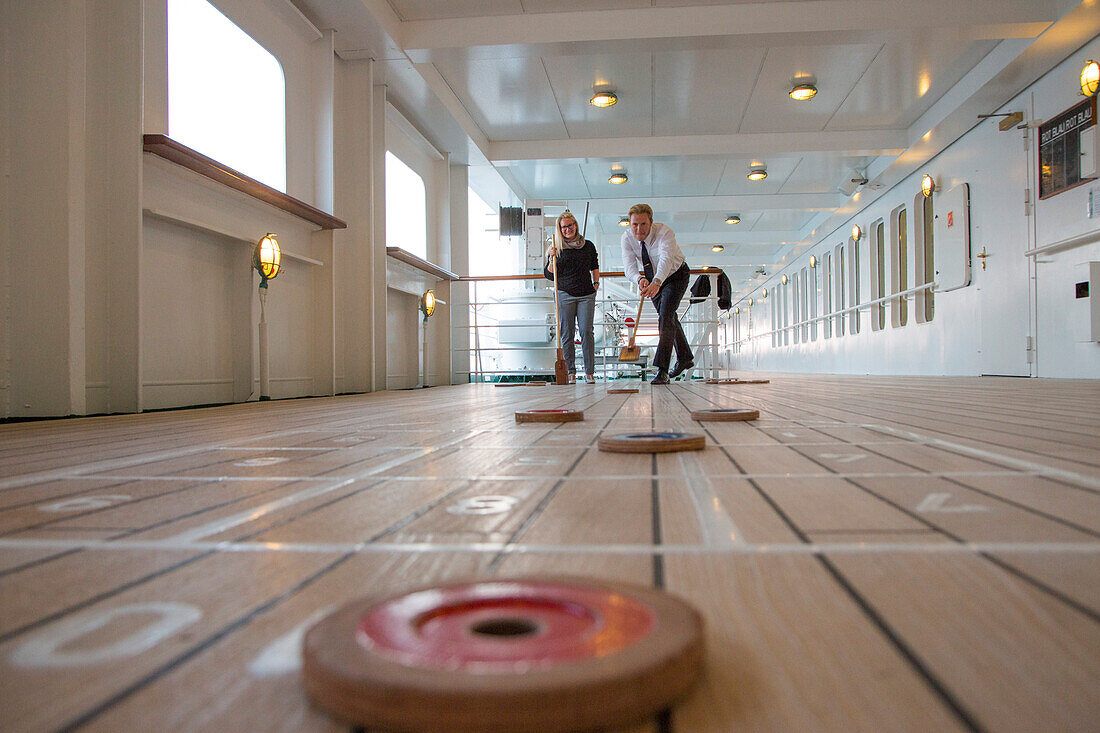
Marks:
<point>377,283</point>
<point>323,287</point>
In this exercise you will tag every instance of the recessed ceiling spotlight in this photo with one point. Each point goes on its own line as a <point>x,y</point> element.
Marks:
<point>717,248</point>
<point>618,177</point>
<point>623,221</point>
<point>803,92</point>
<point>758,173</point>
<point>733,219</point>
<point>605,98</point>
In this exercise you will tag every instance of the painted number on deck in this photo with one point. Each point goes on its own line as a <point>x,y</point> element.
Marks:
<point>83,503</point>
<point>58,647</point>
<point>938,503</point>
<point>484,505</point>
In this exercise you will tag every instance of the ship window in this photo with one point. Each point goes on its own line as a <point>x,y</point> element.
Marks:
<point>899,266</point>
<point>406,208</point>
<point>811,294</point>
<point>878,274</point>
<point>226,93</point>
<point>924,265</point>
<point>853,285</point>
<point>827,294</point>
<point>796,307</point>
<point>839,289</point>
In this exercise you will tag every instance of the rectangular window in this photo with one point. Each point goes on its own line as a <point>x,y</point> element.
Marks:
<point>899,266</point>
<point>812,295</point>
<point>853,285</point>
<point>924,264</point>
<point>838,287</point>
<point>878,274</point>
<point>827,293</point>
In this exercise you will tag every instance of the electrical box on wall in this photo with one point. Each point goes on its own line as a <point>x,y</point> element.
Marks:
<point>1086,302</point>
<point>951,238</point>
<point>1090,153</point>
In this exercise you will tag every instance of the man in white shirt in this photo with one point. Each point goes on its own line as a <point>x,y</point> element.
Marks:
<point>652,259</point>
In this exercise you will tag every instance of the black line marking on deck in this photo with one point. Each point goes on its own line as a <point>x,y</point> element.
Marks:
<point>172,664</point>
<point>658,558</point>
<point>965,716</point>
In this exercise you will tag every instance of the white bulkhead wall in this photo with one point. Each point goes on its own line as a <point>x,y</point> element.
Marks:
<point>1016,316</point>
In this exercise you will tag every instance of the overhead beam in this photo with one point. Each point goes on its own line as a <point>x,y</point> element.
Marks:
<point>980,19</point>
<point>703,204</point>
<point>854,142</point>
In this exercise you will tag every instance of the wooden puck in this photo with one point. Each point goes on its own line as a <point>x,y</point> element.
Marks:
<point>535,384</point>
<point>654,442</point>
<point>526,654</point>
<point>738,381</point>
<point>725,414</point>
<point>508,384</point>
<point>550,416</point>
<point>623,390</point>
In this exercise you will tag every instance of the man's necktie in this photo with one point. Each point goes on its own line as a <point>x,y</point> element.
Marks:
<point>647,265</point>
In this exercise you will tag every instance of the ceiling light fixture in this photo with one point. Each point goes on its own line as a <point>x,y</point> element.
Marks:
<point>618,177</point>
<point>623,221</point>
<point>927,185</point>
<point>803,92</point>
<point>733,219</point>
<point>605,98</point>
<point>1090,78</point>
<point>758,173</point>
<point>717,248</point>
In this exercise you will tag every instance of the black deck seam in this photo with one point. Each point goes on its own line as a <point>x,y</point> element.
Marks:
<point>168,667</point>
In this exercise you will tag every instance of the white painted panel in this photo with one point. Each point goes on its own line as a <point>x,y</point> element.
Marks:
<point>684,81</point>
<point>509,99</point>
<point>905,79</point>
<point>836,70</point>
<point>823,173</point>
<point>735,177</point>
<point>573,79</point>
<point>951,238</point>
<point>433,9</point>
<point>687,176</point>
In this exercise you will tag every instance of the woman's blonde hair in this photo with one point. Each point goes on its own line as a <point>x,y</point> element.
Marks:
<point>567,214</point>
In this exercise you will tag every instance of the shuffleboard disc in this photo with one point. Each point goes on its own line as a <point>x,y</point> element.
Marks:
<point>510,655</point>
<point>738,381</point>
<point>730,414</point>
<point>509,384</point>
<point>623,390</point>
<point>652,442</point>
<point>550,416</point>
<point>535,384</point>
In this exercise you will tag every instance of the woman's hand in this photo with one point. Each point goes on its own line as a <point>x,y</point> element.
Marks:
<point>552,252</point>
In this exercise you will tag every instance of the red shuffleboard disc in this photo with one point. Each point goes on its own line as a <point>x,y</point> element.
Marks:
<point>510,655</point>
<point>661,441</point>
<point>725,415</point>
<point>550,416</point>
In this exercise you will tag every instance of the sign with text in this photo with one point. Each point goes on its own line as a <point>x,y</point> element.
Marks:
<point>1060,148</point>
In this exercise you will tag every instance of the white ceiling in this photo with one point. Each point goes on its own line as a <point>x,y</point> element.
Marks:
<point>504,85</point>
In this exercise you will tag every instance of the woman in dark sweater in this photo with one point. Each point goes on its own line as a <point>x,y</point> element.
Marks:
<point>578,268</point>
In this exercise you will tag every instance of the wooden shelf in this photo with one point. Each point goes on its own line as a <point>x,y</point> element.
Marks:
<point>167,148</point>
<point>410,259</point>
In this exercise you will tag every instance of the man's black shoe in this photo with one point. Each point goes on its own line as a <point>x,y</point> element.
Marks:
<point>661,378</point>
<point>678,369</point>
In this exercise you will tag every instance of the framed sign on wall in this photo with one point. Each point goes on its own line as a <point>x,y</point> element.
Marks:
<point>1060,148</point>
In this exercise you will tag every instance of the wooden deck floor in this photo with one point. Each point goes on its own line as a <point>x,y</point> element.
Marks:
<point>871,554</point>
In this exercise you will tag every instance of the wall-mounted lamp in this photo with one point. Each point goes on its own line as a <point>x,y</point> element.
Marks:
<point>623,221</point>
<point>618,177</point>
<point>733,219</point>
<point>604,98</point>
<point>763,293</point>
<point>427,304</point>
<point>758,173</point>
<point>752,302</point>
<point>783,279</point>
<point>1090,78</point>
<point>813,261</point>
<point>927,185</point>
<point>803,92</point>
<point>736,311</point>
<point>717,248</point>
<point>265,258</point>
<point>857,233</point>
